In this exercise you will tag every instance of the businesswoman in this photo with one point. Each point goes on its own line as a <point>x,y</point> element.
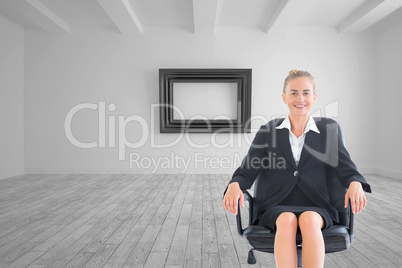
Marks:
<point>295,192</point>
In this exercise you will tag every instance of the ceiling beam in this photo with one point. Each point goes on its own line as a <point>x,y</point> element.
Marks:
<point>205,12</point>
<point>368,14</point>
<point>276,22</point>
<point>285,14</point>
<point>122,14</point>
<point>38,13</point>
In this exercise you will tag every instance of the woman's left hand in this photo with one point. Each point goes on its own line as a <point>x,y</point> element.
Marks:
<point>356,196</point>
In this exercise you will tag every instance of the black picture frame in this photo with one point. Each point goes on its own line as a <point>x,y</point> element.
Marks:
<point>243,79</point>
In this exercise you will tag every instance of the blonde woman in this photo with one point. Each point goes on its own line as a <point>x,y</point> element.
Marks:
<point>295,192</point>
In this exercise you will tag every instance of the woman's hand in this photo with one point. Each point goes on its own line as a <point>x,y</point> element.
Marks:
<point>357,197</point>
<point>233,194</point>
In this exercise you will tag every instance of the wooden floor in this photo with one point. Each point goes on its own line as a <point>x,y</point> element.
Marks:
<point>160,221</point>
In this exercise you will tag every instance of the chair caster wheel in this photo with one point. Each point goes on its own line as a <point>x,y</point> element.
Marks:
<point>251,258</point>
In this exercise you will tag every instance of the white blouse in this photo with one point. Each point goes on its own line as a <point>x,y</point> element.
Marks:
<point>296,144</point>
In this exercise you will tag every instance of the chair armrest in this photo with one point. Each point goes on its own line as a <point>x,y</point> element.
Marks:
<point>249,199</point>
<point>351,221</point>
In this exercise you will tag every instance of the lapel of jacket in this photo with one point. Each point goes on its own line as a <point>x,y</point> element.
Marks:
<point>283,142</point>
<point>312,140</point>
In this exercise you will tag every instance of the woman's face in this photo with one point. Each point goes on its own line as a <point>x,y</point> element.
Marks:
<point>299,96</point>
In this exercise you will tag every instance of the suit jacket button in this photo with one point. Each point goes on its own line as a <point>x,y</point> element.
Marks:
<point>296,173</point>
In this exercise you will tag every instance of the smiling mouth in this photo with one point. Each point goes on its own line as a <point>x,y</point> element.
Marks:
<point>300,106</point>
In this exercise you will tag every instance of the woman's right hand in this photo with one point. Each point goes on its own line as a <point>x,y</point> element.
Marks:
<point>233,194</point>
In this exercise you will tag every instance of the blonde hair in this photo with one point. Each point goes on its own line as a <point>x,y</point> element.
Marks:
<point>293,74</point>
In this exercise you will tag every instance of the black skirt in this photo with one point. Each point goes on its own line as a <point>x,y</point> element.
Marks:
<point>296,202</point>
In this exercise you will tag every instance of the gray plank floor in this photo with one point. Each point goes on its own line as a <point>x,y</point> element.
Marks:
<point>160,221</point>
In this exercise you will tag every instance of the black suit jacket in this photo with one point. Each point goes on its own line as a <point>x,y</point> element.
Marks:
<point>270,160</point>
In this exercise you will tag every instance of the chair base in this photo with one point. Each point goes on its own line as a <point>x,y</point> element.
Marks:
<point>251,258</point>
<point>299,256</point>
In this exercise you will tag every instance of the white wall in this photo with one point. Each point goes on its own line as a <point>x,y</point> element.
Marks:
<point>93,66</point>
<point>388,92</point>
<point>11,98</point>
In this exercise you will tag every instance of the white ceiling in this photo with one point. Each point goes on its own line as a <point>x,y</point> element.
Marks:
<point>197,16</point>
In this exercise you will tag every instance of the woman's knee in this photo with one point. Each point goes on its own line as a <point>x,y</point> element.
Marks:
<point>287,220</point>
<point>310,220</point>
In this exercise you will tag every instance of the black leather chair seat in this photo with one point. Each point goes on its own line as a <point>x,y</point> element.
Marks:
<point>260,237</point>
<point>336,238</point>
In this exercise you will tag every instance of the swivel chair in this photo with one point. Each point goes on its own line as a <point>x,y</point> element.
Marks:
<point>336,238</point>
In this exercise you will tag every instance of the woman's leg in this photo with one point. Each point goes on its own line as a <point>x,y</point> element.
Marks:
<point>310,224</point>
<point>285,246</point>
